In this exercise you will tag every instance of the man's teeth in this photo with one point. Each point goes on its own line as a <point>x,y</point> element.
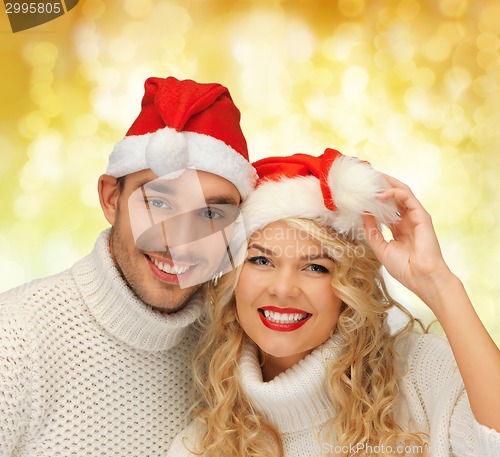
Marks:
<point>173,270</point>
<point>284,318</point>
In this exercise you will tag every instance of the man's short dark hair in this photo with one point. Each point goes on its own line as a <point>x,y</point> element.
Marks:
<point>121,183</point>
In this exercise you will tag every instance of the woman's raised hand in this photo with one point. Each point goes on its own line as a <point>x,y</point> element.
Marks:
<point>413,256</point>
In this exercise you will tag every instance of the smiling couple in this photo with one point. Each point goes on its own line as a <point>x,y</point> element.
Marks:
<point>269,276</point>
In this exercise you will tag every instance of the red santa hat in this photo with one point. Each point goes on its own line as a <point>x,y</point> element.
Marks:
<point>185,124</point>
<point>333,189</point>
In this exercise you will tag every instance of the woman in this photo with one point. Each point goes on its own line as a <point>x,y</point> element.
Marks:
<point>298,358</point>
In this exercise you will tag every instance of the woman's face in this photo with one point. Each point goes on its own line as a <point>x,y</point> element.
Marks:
<point>284,298</point>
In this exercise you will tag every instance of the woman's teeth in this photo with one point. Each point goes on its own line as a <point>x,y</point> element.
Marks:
<point>284,318</point>
<point>171,269</point>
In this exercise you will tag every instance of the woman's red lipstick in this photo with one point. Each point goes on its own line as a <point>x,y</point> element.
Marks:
<point>280,326</point>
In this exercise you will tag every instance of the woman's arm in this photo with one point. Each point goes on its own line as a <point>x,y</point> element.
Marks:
<point>414,258</point>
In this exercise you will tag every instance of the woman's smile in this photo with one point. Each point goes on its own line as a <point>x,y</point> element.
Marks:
<point>284,297</point>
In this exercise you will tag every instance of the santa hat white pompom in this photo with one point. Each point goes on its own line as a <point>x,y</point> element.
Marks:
<point>333,189</point>
<point>354,185</point>
<point>167,151</point>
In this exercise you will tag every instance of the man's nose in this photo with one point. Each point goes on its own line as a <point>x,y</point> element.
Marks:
<point>185,228</point>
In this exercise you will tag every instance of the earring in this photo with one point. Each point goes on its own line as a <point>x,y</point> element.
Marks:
<point>215,278</point>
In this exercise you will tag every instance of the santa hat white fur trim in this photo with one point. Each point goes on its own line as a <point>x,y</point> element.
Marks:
<point>168,150</point>
<point>354,185</point>
<point>289,197</point>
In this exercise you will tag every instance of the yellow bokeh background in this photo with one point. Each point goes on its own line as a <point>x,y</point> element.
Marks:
<point>411,86</point>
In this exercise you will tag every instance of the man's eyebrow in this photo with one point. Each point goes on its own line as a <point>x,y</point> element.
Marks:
<point>164,188</point>
<point>222,200</point>
<point>158,186</point>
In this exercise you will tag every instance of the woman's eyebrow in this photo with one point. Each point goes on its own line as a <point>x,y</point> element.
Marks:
<point>260,248</point>
<point>315,257</point>
<point>307,257</point>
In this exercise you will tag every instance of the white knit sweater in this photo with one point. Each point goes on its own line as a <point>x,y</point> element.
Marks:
<point>87,369</point>
<point>432,400</point>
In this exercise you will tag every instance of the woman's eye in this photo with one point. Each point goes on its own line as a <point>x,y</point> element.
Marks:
<point>259,260</point>
<point>317,268</point>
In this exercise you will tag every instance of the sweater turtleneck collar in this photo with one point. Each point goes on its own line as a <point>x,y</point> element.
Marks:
<point>121,312</point>
<point>297,397</point>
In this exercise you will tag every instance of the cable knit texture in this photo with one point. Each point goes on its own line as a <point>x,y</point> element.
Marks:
<point>87,369</point>
<point>433,400</point>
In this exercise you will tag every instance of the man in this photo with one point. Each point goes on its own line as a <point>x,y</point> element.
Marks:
<point>95,360</point>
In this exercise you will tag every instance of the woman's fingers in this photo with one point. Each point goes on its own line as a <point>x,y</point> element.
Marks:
<point>406,202</point>
<point>374,236</point>
<point>395,182</point>
<point>402,196</point>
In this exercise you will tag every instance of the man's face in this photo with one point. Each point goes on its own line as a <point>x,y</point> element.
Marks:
<point>169,235</point>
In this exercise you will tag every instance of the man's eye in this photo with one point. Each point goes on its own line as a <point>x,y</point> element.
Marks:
<point>160,204</point>
<point>210,214</point>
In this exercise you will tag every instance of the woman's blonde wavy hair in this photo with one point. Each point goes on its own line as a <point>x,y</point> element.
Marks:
<point>362,382</point>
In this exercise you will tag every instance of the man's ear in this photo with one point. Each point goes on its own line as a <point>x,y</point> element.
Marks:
<point>109,192</point>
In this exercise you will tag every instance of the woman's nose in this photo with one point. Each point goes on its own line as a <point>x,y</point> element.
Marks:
<point>284,284</point>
